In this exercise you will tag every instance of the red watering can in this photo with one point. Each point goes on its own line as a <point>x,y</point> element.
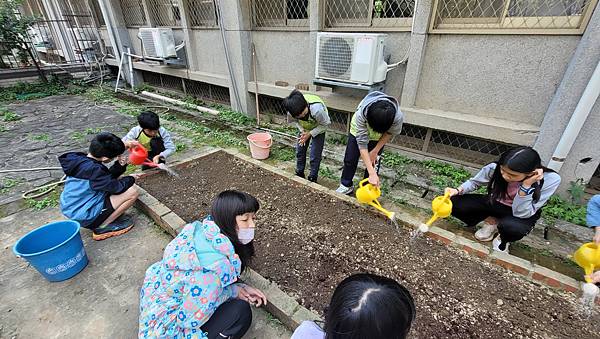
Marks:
<point>138,155</point>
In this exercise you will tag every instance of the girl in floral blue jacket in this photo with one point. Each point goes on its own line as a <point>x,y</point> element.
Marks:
<point>193,292</point>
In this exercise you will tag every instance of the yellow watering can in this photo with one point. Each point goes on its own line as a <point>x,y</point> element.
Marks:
<point>368,194</point>
<point>441,207</point>
<point>588,257</point>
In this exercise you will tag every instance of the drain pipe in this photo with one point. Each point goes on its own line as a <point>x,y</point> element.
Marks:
<point>179,103</point>
<point>580,115</point>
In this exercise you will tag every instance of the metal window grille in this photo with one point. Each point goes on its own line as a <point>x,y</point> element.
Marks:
<point>133,13</point>
<point>207,92</point>
<point>171,82</point>
<point>97,12</point>
<point>516,16</point>
<point>201,13</point>
<point>361,14</point>
<point>280,13</point>
<point>165,12</point>
<point>77,12</point>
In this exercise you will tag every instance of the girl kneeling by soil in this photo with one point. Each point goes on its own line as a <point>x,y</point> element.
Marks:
<point>518,186</point>
<point>364,306</point>
<point>194,290</point>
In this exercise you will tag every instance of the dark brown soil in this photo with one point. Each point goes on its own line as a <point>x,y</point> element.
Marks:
<point>308,241</point>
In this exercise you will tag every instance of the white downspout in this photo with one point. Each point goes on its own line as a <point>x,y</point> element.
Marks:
<point>109,28</point>
<point>580,115</point>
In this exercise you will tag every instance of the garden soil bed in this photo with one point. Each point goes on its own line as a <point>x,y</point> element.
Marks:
<point>308,241</point>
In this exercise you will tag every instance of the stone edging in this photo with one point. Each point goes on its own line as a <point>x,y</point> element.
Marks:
<point>287,310</point>
<point>280,305</point>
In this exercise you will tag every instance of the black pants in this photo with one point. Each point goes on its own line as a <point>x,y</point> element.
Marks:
<point>157,146</point>
<point>231,320</point>
<point>351,158</point>
<point>474,208</point>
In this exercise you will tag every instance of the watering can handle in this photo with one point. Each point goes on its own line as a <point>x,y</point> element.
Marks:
<point>446,195</point>
<point>259,146</point>
<point>362,182</point>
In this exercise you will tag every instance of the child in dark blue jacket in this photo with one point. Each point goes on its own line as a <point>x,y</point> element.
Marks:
<point>94,195</point>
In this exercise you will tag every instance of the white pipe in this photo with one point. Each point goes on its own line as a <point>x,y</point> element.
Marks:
<point>130,68</point>
<point>109,27</point>
<point>120,70</point>
<point>179,103</point>
<point>580,115</point>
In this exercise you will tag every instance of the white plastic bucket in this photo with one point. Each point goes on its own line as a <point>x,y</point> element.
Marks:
<point>260,145</point>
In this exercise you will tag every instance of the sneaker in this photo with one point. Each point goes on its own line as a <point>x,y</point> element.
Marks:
<point>301,175</point>
<point>496,245</point>
<point>312,179</point>
<point>120,226</point>
<point>345,190</point>
<point>487,232</point>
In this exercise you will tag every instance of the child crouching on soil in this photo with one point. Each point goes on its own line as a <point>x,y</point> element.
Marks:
<point>364,306</point>
<point>94,195</point>
<point>518,186</point>
<point>154,138</point>
<point>593,220</point>
<point>194,292</point>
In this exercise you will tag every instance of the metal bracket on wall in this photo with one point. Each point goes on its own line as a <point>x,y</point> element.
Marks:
<point>333,84</point>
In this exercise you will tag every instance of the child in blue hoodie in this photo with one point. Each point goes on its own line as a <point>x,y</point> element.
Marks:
<point>377,119</point>
<point>194,291</point>
<point>94,195</point>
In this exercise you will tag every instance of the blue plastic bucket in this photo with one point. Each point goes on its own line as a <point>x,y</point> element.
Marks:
<point>55,250</point>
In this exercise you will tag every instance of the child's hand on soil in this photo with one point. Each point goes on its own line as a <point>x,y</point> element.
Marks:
<point>252,295</point>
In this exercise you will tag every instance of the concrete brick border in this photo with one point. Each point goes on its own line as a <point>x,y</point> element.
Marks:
<point>289,312</point>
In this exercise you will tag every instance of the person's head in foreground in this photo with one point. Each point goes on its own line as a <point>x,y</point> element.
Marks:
<point>106,146</point>
<point>235,214</point>
<point>369,306</point>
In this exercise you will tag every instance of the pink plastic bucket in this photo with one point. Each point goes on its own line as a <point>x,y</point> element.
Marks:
<point>260,145</point>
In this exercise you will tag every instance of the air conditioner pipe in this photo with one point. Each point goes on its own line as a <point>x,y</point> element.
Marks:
<point>580,115</point>
<point>179,102</point>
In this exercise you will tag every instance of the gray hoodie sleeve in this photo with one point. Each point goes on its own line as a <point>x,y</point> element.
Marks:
<point>482,178</point>
<point>322,117</point>
<point>169,145</point>
<point>132,134</point>
<point>525,207</point>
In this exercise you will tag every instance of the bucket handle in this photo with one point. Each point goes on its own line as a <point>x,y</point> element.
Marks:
<point>259,146</point>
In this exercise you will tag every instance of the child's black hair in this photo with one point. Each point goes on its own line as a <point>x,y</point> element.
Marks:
<point>522,160</point>
<point>295,103</point>
<point>226,206</point>
<point>148,120</point>
<point>106,145</point>
<point>381,115</point>
<point>369,306</point>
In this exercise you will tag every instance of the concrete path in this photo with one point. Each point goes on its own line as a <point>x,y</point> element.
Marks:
<point>100,302</point>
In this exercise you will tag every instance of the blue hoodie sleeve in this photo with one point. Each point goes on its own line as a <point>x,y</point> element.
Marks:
<point>101,181</point>
<point>116,170</point>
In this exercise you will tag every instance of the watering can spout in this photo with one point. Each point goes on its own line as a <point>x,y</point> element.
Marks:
<point>441,207</point>
<point>368,194</point>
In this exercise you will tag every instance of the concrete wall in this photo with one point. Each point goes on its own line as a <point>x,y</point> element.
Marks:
<point>288,56</point>
<point>207,49</point>
<point>511,77</point>
<point>507,88</point>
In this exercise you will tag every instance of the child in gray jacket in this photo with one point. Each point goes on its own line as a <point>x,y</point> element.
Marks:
<point>156,139</point>
<point>518,186</point>
<point>377,119</point>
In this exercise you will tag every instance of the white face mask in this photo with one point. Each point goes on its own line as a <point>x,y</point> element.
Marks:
<point>246,235</point>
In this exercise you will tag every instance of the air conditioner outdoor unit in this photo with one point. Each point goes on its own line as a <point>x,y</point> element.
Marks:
<point>355,58</point>
<point>158,42</point>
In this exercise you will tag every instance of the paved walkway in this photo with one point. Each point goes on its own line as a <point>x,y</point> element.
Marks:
<point>102,301</point>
